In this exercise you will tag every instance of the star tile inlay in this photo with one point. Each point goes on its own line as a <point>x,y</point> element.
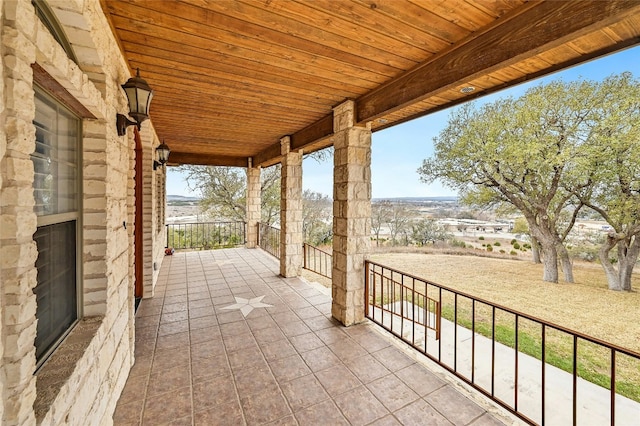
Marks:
<point>247,305</point>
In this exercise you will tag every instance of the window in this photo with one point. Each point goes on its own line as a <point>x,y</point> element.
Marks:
<point>160,200</point>
<point>48,18</point>
<point>56,162</point>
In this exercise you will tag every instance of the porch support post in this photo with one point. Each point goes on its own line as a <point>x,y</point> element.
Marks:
<point>290,211</point>
<point>351,213</point>
<point>254,198</point>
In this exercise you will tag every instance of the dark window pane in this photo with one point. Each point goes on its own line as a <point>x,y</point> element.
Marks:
<point>56,290</point>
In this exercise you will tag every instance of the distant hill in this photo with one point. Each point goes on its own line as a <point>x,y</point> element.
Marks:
<point>419,199</point>
<point>181,198</point>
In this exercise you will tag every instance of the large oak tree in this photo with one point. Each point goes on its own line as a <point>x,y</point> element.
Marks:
<point>607,178</point>
<point>556,149</point>
<point>520,151</point>
<point>223,191</point>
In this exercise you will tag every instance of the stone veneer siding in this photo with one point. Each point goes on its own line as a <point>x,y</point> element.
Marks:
<point>153,230</point>
<point>96,357</point>
<point>351,213</point>
<point>291,237</point>
<point>254,198</point>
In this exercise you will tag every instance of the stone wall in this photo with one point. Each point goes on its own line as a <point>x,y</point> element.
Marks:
<point>3,150</point>
<point>98,353</point>
<point>154,234</point>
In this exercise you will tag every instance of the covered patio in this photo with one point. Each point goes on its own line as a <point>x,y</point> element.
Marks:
<point>227,340</point>
<point>248,84</point>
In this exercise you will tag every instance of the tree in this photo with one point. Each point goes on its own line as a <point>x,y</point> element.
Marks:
<point>399,219</point>
<point>317,217</point>
<point>607,178</point>
<point>520,152</point>
<point>223,191</point>
<point>380,215</point>
<point>424,231</point>
<point>270,195</point>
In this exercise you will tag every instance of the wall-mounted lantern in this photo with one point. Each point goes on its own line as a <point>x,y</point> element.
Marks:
<point>162,151</point>
<point>139,95</point>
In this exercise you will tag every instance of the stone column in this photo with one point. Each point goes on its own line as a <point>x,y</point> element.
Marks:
<point>290,211</point>
<point>351,213</point>
<point>254,196</point>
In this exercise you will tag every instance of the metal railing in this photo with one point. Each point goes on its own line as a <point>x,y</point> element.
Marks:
<point>269,239</point>
<point>205,235</point>
<point>316,260</point>
<point>395,304</point>
<point>541,372</point>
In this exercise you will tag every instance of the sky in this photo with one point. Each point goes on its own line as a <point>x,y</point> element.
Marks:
<point>397,152</point>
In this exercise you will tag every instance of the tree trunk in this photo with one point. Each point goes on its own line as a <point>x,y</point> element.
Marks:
<point>567,267</point>
<point>625,269</point>
<point>550,263</point>
<point>535,250</point>
<point>548,245</point>
<point>627,258</point>
<point>613,279</point>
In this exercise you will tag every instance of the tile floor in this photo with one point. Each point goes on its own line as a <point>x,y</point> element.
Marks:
<point>226,341</point>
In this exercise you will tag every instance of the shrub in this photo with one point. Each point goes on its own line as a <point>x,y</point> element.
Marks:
<point>481,237</point>
<point>502,251</point>
<point>497,244</point>
<point>489,248</point>
<point>584,252</point>
<point>513,253</point>
<point>516,246</point>
<point>526,245</point>
<point>484,245</point>
<point>458,243</point>
<point>514,241</point>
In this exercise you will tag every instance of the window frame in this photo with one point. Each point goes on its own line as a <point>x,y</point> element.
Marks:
<point>77,215</point>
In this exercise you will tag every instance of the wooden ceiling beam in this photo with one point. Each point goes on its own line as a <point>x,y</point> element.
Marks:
<point>179,158</point>
<point>535,27</point>
<point>269,156</point>
<point>320,130</point>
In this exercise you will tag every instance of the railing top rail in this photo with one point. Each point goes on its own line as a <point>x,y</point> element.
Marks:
<point>580,335</point>
<point>316,248</point>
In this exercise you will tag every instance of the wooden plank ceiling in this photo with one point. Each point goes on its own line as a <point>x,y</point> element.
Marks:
<point>232,77</point>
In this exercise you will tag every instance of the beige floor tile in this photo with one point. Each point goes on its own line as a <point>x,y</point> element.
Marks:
<point>420,413</point>
<point>459,409</point>
<point>263,407</point>
<point>325,413</point>
<point>392,392</point>
<point>168,406</point>
<point>285,369</point>
<point>360,407</point>
<point>337,380</point>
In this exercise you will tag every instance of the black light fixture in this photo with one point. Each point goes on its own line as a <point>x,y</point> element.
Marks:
<point>163,152</point>
<point>139,95</point>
